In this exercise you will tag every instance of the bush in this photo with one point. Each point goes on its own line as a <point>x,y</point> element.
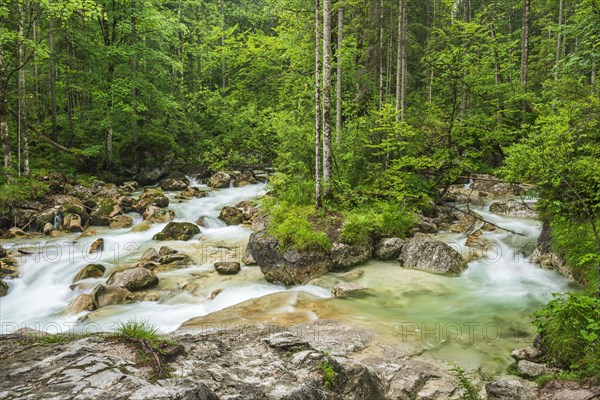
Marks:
<point>20,191</point>
<point>360,226</point>
<point>570,329</point>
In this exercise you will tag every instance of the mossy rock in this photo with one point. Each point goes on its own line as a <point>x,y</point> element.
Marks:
<point>103,212</point>
<point>90,271</point>
<point>177,231</point>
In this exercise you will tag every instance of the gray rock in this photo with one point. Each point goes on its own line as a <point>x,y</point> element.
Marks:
<point>509,389</point>
<point>83,302</point>
<point>90,271</point>
<point>150,255</point>
<point>227,268</point>
<point>177,231</point>
<point>173,184</point>
<point>388,248</point>
<point>289,267</point>
<point>106,209</point>
<point>121,222</point>
<point>530,369</point>
<point>133,279</point>
<point>527,353</point>
<point>247,258</point>
<point>219,180</point>
<point>232,215</point>
<point>150,197</point>
<point>513,208</point>
<point>344,255</point>
<point>158,215</point>
<point>110,295</point>
<point>429,254</point>
<point>72,223</point>
<point>309,391</point>
<point>346,289</point>
<point>244,179</point>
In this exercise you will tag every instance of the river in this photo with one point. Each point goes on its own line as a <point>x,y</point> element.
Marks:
<point>474,319</point>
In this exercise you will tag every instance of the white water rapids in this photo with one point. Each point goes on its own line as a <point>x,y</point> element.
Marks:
<point>475,318</point>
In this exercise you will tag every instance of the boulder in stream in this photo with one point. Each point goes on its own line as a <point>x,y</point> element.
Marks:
<point>227,267</point>
<point>513,208</point>
<point>83,302</point>
<point>158,215</point>
<point>347,289</point>
<point>97,246</point>
<point>289,266</point>
<point>426,253</point>
<point>72,223</point>
<point>150,197</point>
<point>90,271</point>
<point>232,215</point>
<point>105,209</point>
<point>388,248</point>
<point>110,295</point>
<point>177,231</point>
<point>133,279</point>
<point>173,184</point>
<point>244,179</point>
<point>121,222</point>
<point>219,180</point>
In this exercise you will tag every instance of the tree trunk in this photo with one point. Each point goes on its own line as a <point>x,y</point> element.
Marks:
<point>327,156</point>
<point>525,43</point>
<point>22,101</point>
<point>223,63</point>
<point>401,62</point>
<point>559,39</point>
<point>4,138</point>
<point>109,115</point>
<point>464,89</point>
<point>52,80</point>
<point>381,18</point>
<point>317,104</point>
<point>134,89</point>
<point>338,86</point>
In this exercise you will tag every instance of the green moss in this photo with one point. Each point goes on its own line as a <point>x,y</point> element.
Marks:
<point>291,226</point>
<point>106,206</point>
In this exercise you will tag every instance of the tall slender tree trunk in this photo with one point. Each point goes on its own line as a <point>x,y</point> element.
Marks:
<point>381,56</point>
<point>338,86</point>
<point>401,62</point>
<point>4,138</point>
<point>559,40</point>
<point>109,116</point>
<point>318,124</point>
<point>134,90</point>
<point>464,88</point>
<point>498,75</point>
<point>223,61</point>
<point>52,80</point>
<point>525,43</point>
<point>23,142</point>
<point>327,156</point>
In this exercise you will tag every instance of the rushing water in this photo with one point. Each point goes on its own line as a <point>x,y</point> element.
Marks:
<point>38,298</point>
<point>474,319</point>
